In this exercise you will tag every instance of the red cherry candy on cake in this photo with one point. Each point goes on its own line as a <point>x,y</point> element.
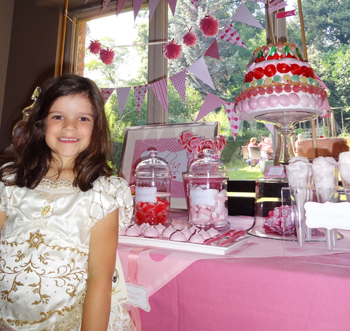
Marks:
<point>258,73</point>
<point>303,88</point>
<point>261,90</point>
<point>296,88</point>
<point>287,88</point>
<point>295,69</point>
<point>248,77</point>
<point>269,90</point>
<point>278,89</point>
<point>283,68</point>
<point>255,92</point>
<point>270,70</point>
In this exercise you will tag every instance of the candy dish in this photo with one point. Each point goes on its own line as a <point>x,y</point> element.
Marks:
<point>187,239</point>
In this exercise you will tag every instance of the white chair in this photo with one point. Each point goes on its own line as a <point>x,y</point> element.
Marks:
<point>254,154</point>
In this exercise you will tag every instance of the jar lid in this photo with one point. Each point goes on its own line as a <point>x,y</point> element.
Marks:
<point>153,167</point>
<point>207,166</point>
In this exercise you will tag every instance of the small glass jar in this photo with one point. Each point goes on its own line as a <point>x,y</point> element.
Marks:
<point>152,191</point>
<point>208,193</point>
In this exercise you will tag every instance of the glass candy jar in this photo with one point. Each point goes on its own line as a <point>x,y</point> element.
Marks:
<point>207,193</point>
<point>152,191</point>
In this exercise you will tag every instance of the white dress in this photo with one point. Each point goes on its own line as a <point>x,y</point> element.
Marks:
<point>44,249</point>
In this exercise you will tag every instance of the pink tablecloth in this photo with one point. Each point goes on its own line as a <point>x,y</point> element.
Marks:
<point>264,285</point>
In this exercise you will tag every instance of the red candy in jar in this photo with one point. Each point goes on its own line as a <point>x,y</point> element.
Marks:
<point>152,191</point>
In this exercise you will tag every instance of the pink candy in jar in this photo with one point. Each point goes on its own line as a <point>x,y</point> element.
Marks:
<point>207,193</point>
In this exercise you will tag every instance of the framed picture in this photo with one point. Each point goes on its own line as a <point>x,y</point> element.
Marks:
<point>163,138</point>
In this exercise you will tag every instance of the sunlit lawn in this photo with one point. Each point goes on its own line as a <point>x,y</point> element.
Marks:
<point>240,170</point>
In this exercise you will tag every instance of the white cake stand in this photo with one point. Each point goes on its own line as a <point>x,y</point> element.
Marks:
<point>284,119</point>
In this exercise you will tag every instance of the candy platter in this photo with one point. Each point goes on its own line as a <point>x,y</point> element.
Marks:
<point>185,246</point>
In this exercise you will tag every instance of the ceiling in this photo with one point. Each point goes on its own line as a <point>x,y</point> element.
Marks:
<point>72,4</point>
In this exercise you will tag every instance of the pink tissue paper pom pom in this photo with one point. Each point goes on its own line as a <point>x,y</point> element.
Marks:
<point>95,46</point>
<point>107,56</point>
<point>209,25</point>
<point>190,38</point>
<point>172,50</point>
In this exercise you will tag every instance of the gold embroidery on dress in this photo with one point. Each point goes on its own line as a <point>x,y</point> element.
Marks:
<point>63,277</point>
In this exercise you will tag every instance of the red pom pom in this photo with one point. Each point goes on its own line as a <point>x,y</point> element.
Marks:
<point>172,50</point>
<point>190,38</point>
<point>107,56</point>
<point>209,25</point>
<point>95,46</point>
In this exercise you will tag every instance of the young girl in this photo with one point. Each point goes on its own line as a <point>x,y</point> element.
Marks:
<point>59,213</point>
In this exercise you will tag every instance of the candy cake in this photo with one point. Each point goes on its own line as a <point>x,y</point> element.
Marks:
<point>279,79</point>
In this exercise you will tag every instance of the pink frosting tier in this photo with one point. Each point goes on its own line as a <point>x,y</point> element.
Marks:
<point>279,79</point>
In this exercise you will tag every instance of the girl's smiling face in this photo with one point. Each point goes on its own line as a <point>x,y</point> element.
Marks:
<point>69,126</point>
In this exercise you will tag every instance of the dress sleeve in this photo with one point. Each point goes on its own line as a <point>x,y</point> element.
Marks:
<point>4,200</point>
<point>109,194</point>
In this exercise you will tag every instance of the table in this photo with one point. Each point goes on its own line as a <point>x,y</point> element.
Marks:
<point>263,285</point>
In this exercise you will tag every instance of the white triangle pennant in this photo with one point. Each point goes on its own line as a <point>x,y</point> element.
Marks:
<point>200,70</point>
<point>243,15</point>
<point>122,96</point>
<point>106,92</point>
<point>233,118</point>
<point>160,89</point>
<point>140,93</point>
<point>179,82</point>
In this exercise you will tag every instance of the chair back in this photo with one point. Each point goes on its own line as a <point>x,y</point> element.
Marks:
<point>255,152</point>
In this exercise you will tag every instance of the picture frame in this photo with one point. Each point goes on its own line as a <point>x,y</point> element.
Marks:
<point>163,138</point>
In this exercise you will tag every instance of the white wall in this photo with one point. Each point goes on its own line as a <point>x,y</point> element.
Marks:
<point>6,14</point>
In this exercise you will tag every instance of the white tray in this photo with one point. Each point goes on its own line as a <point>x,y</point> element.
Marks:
<point>185,246</point>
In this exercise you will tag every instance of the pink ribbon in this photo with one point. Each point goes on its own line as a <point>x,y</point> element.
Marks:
<point>133,277</point>
<point>286,13</point>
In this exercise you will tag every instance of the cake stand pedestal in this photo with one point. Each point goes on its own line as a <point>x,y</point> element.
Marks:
<point>285,121</point>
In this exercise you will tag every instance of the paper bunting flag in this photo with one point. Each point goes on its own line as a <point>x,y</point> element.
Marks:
<point>274,3</point>
<point>120,6</point>
<point>284,14</point>
<point>152,5</point>
<point>122,96</point>
<point>270,127</point>
<point>264,1</point>
<point>233,118</point>
<point>104,5</point>
<point>106,93</point>
<point>140,93</point>
<point>195,4</point>
<point>137,5</point>
<point>213,50</point>
<point>211,102</point>
<point>322,84</point>
<point>243,15</point>
<point>172,5</point>
<point>200,70</point>
<point>160,89</point>
<point>228,33</point>
<point>179,82</point>
<point>278,6</point>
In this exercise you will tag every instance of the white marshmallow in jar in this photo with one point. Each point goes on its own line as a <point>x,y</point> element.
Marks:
<point>208,193</point>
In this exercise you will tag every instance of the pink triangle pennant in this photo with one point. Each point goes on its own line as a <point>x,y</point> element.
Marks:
<point>233,118</point>
<point>106,93</point>
<point>104,5</point>
<point>228,33</point>
<point>213,50</point>
<point>179,82</point>
<point>122,96</point>
<point>160,89</point>
<point>152,5</point>
<point>140,93</point>
<point>120,6</point>
<point>322,84</point>
<point>137,5</point>
<point>172,5</point>
<point>195,4</point>
<point>264,1</point>
<point>242,14</point>
<point>200,70</point>
<point>211,102</point>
